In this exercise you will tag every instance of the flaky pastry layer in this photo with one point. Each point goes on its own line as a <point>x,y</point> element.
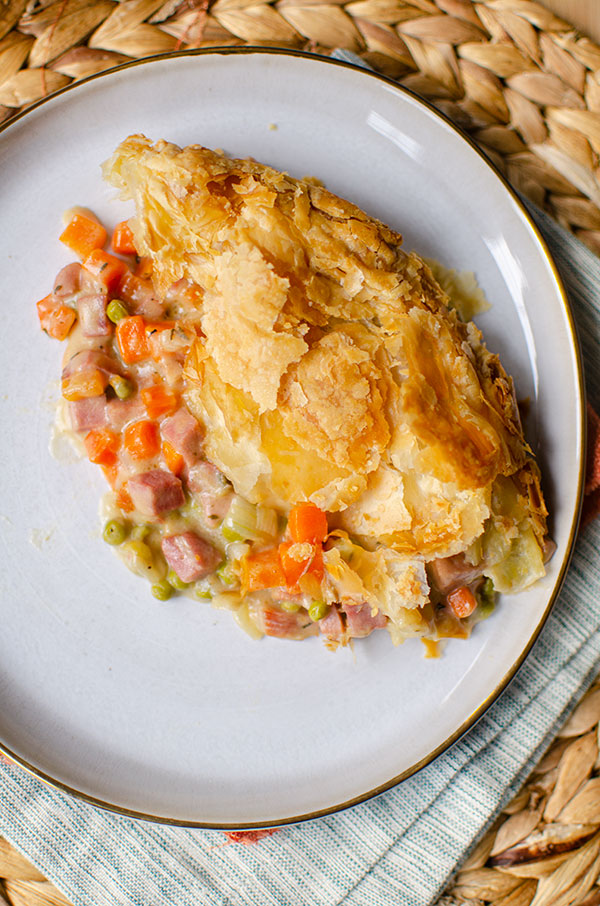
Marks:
<point>331,367</point>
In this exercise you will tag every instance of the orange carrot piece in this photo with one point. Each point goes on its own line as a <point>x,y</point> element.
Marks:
<point>56,319</point>
<point>111,473</point>
<point>174,460</point>
<point>124,501</point>
<point>141,439</point>
<point>122,239</point>
<point>307,523</point>
<point>158,326</point>
<point>158,401</point>
<point>462,602</point>
<point>263,570</point>
<point>101,446</point>
<point>84,384</point>
<point>83,234</point>
<point>132,340</point>
<point>108,269</point>
<point>144,268</point>
<point>294,568</point>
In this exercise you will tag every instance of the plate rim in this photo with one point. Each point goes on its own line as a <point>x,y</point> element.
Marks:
<point>469,722</point>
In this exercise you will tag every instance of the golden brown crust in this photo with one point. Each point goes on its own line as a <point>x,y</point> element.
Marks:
<point>331,366</point>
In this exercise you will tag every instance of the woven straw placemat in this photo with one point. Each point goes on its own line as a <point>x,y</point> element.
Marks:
<point>526,86</point>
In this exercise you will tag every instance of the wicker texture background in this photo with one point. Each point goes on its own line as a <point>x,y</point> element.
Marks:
<point>520,80</point>
<point>526,87</point>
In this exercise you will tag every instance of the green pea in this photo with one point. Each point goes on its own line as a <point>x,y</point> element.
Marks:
<point>116,311</point>
<point>162,590</point>
<point>175,582</point>
<point>122,386</point>
<point>115,532</point>
<point>317,610</point>
<point>140,532</point>
<point>289,606</point>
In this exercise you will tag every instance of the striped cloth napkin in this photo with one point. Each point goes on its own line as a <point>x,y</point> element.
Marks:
<point>400,848</point>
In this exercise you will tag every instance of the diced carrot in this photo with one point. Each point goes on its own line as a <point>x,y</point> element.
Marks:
<point>56,319</point>
<point>294,566</point>
<point>462,602</point>
<point>101,446</point>
<point>132,340</point>
<point>108,269</point>
<point>262,570</point>
<point>124,501</point>
<point>83,234</point>
<point>122,239</point>
<point>158,401</point>
<point>84,384</point>
<point>307,523</point>
<point>144,268</point>
<point>111,473</point>
<point>174,460</point>
<point>141,439</point>
<point>158,326</point>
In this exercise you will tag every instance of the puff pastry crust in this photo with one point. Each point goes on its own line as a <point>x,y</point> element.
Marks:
<point>331,366</point>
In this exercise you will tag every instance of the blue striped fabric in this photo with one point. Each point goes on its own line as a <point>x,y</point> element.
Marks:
<point>400,848</point>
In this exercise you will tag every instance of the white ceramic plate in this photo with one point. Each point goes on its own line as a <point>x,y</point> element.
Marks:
<point>169,710</point>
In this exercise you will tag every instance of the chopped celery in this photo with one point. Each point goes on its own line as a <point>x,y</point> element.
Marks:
<point>247,522</point>
<point>226,573</point>
<point>487,598</point>
<point>230,534</point>
<point>345,546</point>
<point>140,532</point>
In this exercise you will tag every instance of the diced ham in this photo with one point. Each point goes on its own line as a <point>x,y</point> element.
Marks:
<point>87,414</point>
<point>184,433</point>
<point>185,293</point>
<point>548,549</point>
<point>91,308</point>
<point>360,621</point>
<point>281,624</point>
<point>449,573</point>
<point>211,488</point>
<point>90,283</point>
<point>332,626</point>
<point>190,556</point>
<point>88,360</point>
<point>140,297</point>
<point>67,281</point>
<point>120,412</point>
<point>156,492</point>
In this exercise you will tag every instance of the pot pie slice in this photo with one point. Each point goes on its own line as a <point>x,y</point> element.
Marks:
<point>369,446</point>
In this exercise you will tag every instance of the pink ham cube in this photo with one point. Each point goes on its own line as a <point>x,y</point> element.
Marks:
<point>190,556</point>
<point>360,620</point>
<point>91,308</point>
<point>184,434</point>
<point>87,414</point>
<point>156,492</point>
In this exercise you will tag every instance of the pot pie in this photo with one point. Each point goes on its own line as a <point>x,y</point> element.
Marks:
<point>294,419</point>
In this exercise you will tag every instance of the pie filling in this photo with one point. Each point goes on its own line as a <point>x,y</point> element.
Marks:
<point>295,423</point>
